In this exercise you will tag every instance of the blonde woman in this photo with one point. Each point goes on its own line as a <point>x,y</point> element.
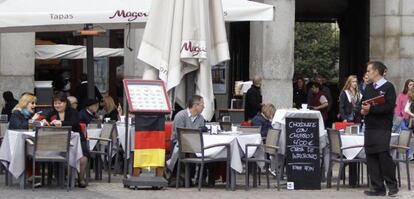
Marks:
<point>350,101</point>
<point>23,112</point>
<point>110,108</point>
<point>264,118</point>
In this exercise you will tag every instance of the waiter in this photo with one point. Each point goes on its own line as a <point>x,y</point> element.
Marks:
<point>378,124</point>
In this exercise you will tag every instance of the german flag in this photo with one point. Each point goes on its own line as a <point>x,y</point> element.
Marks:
<point>149,141</point>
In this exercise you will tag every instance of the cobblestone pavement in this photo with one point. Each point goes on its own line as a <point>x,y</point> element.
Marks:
<point>103,190</point>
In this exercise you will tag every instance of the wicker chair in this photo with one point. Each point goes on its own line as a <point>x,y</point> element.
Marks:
<point>250,129</point>
<point>271,149</point>
<point>336,155</point>
<point>190,142</point>
<point>402,155</point>
<point>51,144</point>
<point>103,148</point>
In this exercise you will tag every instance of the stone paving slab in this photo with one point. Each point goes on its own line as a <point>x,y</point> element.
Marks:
<point>103,190</point>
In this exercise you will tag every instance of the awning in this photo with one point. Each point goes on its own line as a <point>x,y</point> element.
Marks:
<point>59,15</point>
<point>61,51</point>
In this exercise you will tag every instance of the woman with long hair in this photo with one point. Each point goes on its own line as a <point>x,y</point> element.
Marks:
<point>402,100</point>
<point>110,108</point>
<point>64,115</point>
<point>350,101</point>
<point>23,112</point>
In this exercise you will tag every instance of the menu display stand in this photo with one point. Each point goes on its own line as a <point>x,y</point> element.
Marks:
<point>149,102</point>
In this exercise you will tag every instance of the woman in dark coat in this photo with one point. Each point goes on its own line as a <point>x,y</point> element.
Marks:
<point>350,101</point>
<point>299,93</point>
<point>23,112</point>
<point>264,119</point>
<point>10,103</point>
<point>110,108</point>
<point>63,115</point>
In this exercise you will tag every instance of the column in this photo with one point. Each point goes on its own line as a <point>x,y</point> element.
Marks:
<point>272,53</point>
<point>17,63</point>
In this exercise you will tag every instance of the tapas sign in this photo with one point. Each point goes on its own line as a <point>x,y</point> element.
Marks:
<point>147,96</point>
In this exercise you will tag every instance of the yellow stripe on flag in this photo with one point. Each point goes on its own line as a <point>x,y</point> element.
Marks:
<point>149,158</point>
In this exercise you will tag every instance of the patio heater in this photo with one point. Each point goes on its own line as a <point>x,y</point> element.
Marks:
<point>88,33</point>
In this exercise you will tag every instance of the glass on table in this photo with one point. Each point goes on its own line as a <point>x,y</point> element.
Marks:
<point>31,124</point>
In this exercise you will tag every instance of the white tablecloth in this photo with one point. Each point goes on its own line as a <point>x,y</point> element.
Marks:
<point>353,140</point>
<point>12,151</point>
<point>279,121</point>
<point>93,133</point>
<point>237,143</point>
<point>120,126</point>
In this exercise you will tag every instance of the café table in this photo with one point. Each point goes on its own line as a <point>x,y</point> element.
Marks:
<point>12,150</point>
<point>120,126</point>
<point>358,139</point>
<point>348,140</point>
<point>237,140</point>
<point>279,122</point>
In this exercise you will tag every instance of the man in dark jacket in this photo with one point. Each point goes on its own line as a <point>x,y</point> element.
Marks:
<point>82,93</point>
<point>378,124</point>
<point>253,103</point>
<point>9,104</point>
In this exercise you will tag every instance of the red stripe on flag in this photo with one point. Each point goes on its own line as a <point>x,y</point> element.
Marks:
<point>149,140</point>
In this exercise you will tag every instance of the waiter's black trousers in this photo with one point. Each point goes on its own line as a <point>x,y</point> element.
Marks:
<point>381,168</point>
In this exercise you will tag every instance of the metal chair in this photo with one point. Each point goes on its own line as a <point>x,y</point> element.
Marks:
<point>250,129</point>
<point>271,150</point>
<point>95,123</point>
<point>225,126</point>
<point>190,142</point>
<point>4,168</point>
<point>103,148</point>
<point>4,118</point>
<point>336,155</point>
<point>402,154</point>
<point>51,144</point>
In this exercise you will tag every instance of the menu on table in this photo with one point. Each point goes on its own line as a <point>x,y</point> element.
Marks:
<point>147,96</point>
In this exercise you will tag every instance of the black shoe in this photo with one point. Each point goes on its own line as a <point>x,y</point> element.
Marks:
<point>374,193</point>
<point>392,193</point>
<point>82,185</point>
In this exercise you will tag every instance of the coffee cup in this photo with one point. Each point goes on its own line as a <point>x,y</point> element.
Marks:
<point>305,106</point>
<point>234,129</point>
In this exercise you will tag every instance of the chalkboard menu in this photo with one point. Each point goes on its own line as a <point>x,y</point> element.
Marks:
<point>302,153</point>
<point>147,96</point>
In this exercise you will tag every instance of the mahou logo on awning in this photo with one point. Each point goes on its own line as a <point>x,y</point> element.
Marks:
<point>130,15</point>
<point>193,49</point>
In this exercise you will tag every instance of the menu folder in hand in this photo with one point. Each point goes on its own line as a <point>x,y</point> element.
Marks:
<point>375,101</point>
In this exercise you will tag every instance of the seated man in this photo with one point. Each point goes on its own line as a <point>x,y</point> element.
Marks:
<point>189,118</point>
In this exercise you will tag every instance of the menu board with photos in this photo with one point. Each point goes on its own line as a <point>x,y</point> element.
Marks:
<point>147,96</point>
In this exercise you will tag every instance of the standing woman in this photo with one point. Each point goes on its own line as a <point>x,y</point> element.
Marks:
<point>23,112</point>
<point>409,107</point>
<point>299,93</point>
<point>399,113</point>
<point>63,115</point>
<point>350,101</point>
